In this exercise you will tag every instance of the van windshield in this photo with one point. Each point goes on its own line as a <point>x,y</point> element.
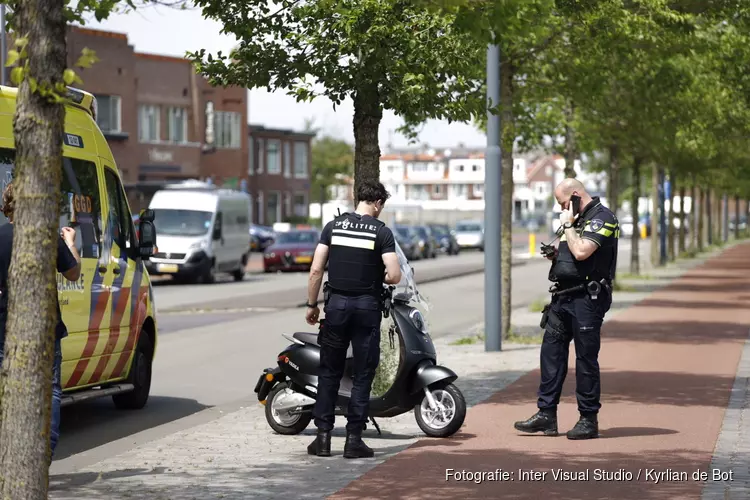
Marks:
<point>173,222</point>
<point>468,227</point>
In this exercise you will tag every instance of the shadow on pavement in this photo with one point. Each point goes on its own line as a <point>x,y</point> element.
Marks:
<point>93,423</point>
<point>687,331</point>
<point>638,387</point>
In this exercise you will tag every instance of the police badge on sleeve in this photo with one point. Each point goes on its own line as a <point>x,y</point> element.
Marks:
<point>596,224</point>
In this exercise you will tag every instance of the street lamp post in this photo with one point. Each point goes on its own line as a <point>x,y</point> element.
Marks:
<point>492,209</point>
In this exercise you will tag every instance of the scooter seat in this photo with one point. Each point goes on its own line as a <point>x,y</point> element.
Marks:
<point>312,338</point>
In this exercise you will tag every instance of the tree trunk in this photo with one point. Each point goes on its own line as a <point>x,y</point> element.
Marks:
<point>570,142</point>
<point>613,173</point>
<point>507,139</point>
<point>635,259</point>
<point>701,211</point>
<point>670,217</point>
<point>683,218</point>
<point>29,347</point>
<point>709,218</point>
<point>694,214</point>
<point>655,213</point>
<point>367,116</point>
<point>737,217</point>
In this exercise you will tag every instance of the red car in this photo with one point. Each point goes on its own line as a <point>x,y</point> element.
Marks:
<point>291,251</point>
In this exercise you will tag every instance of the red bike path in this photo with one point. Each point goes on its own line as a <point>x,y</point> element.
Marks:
<point>668,364</point>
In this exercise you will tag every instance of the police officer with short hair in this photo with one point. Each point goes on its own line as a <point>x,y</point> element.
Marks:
<point>361,255</point>
<point>582,271</point>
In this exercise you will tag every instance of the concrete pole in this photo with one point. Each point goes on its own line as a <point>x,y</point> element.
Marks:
<point>492,209</point>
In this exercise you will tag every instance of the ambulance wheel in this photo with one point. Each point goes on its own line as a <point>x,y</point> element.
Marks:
<point>140,377</point>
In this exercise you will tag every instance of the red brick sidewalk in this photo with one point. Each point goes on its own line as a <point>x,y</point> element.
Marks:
<point>668,365</point>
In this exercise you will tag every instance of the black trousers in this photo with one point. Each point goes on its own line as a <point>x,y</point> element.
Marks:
<point>579,318</point>
<point>355,321</point>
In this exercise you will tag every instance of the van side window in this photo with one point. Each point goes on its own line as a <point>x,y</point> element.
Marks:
<point>80,206</point>
<point>118,221</point>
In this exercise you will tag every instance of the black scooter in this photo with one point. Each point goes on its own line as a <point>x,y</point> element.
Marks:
<point>288,391</point>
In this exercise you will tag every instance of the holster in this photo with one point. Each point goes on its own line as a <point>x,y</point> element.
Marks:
<point>545,316</point>
<point>326,293</point>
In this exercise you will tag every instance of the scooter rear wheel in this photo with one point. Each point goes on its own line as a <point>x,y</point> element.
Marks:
<point>449,416</point>
<point>281,422</point>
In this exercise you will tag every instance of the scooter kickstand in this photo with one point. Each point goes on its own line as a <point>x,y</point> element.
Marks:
<point>377,427</point>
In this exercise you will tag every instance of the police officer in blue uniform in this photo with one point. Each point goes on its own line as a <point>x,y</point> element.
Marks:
<point>361,255</point>
<point>583,267</point>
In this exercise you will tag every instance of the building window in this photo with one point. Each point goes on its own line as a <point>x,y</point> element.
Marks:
<point>474,168</point>
<point>177,125</point>
<point>437,189</point>
<point>273,156</point>
<point>478,190</point>
<point>108,113</point>
<point>300,159</point>
<point>273,207</point>
<point>300,205</point>
<point>419,167</point>
<point>287,159</point>
<point>261,155</point>
<point>459,168</point>
<point>287,204</point>
<point>148,123</point>
<point>228,129</point>
<point>251,156</point>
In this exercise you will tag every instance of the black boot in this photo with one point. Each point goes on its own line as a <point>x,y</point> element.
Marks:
<point>543,421</point>
<point>587,427</point>
<point>322,444</point>
<point>356,448</point>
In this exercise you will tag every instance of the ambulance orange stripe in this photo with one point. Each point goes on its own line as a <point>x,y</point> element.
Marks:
<point>114,334</point>
<point>135,326</point>
<point>93,338</point>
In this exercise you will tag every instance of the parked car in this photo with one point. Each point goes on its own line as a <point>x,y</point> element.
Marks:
<point>261,237</point>
<point>427,242</point>
<point>742,225</point>
<point>470,234</point>
<point>291,251</point>
<point>408,240</point>
<point>446,241</point>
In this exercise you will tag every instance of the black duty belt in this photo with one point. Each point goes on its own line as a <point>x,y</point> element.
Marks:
<point>593,288</point>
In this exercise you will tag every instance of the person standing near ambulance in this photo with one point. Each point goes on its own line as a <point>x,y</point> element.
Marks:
<point>361,255</point>
<point>69,265</point>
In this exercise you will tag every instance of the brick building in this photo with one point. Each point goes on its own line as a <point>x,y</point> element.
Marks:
<point>280,174</point>
<point>162,121</point>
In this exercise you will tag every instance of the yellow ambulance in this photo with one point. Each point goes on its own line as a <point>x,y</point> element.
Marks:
<point>109,311</point>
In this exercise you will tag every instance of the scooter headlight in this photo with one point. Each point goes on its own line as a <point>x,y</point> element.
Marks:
<point>416,316</point>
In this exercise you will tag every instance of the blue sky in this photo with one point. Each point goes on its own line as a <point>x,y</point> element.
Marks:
<point>161,30</point>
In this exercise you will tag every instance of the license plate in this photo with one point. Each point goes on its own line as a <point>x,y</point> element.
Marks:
<point>303,260</point>
<point>167,268</point>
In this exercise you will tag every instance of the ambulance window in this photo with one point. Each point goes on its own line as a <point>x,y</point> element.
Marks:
<point>80,206</point>
<point>79,200</point>
<point>119,222</point>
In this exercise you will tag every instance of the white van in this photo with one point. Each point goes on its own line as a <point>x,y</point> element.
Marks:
<point>202,231</point>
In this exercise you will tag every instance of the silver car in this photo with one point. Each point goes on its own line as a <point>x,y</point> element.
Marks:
<point>470,234</point>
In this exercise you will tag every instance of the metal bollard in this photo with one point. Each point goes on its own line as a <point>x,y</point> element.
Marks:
<point>532,244</point>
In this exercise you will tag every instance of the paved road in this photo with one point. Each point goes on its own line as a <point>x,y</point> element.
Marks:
<point>212,360</point>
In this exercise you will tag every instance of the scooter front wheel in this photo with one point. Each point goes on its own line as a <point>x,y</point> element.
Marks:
<point>281,421</point>
<point>447,415</point>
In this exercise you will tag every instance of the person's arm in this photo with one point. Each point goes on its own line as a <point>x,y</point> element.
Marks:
<point>390,258</point>
<point>318,266</point>
<point>596,233</point>
<point>68,259</point>
<point>317,269</point>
